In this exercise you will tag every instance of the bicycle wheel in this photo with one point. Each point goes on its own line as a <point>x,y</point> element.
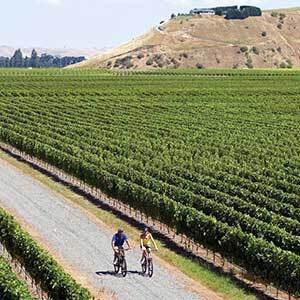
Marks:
<point>124,267</point>
<point>150,267</point>
<point>144,265</point>
<point>117,266</point>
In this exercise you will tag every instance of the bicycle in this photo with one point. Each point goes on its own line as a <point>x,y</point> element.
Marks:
<point>121,262</point>
<point>147,263</point>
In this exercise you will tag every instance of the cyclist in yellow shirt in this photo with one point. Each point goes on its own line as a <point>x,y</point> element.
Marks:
<point>146,242</point>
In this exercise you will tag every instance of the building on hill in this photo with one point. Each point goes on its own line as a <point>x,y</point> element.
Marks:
<point>229,12</point>
<point>202,11</point>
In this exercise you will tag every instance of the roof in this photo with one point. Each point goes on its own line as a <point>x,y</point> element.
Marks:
<point>203,10</point>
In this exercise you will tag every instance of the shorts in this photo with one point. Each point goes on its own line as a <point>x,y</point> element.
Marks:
<point>148,248</point>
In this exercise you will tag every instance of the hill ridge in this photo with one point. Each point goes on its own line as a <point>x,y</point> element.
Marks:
<point>269,41</point>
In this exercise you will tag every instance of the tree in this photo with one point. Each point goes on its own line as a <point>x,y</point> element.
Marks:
<point>26,63</point>
<point>283,65</point>
<point>200,66</point>
<point>249,63</point>
<point>17,60</point>
<point>34,60</point>
<point>251,11</point>
<point>222,10</point>
<point>150,62</point>
<point>56,62</point>
<point>46,61</point>
<point>255,50</point>
<point>218,11</point>
<point>244,49</point>
<point>282,16</point>
<point>289,64</point>
<point>69,60</point>
<point>243,13</point>
<point>4,62</point>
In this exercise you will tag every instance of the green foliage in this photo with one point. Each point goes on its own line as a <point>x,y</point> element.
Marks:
<point>140,55</point>
<point>200,66</point>
<point>38,262</point>
<point>211,153</point>
<point>124,62</point>
<point>233,14</point>
<point>289,64</point>
<point>251,11</point>
<point>222,10</point>
<point>44,61</point>
<point>218,12</point>
<point>243,12</point>
<point>185,55</point>
<point>149,61</point>
<point>282,16</point>
<point>274,14</point>
<point>34,59</point>
<point>244,49</point>
<point>11,287</point>
<point>283,65</point>
<point>4,62</point>
<point>255,50</point>
<point>17,59</point>
<point>249,63</point>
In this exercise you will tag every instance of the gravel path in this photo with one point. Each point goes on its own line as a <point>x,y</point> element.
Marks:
<point>82,243</point>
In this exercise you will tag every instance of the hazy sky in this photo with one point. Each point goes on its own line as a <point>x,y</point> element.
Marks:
<point>93,23</point>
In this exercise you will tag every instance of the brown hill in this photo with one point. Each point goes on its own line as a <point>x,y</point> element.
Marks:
<point>272,40</point>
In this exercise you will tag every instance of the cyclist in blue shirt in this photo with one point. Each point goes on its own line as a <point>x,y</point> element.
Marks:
<point>118,241</point>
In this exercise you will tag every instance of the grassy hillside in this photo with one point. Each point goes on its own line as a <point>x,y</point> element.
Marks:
<point>270,41</point>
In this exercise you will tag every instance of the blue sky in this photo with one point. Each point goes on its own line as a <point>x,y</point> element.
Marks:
<point>93,23</point>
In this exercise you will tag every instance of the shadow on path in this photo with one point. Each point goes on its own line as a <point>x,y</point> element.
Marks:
<point>113,273</point>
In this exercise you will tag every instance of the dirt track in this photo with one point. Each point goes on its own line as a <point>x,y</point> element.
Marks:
<point>82,243</point>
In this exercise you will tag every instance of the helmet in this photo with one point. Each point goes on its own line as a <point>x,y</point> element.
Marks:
<point>146,229</point>
<point>120,230</point>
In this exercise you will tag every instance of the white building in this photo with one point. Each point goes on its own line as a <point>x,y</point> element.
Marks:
<point>202,11</point>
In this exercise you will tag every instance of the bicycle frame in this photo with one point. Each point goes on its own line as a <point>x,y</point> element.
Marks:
<point>121,261</point>
<point>147,262</point>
